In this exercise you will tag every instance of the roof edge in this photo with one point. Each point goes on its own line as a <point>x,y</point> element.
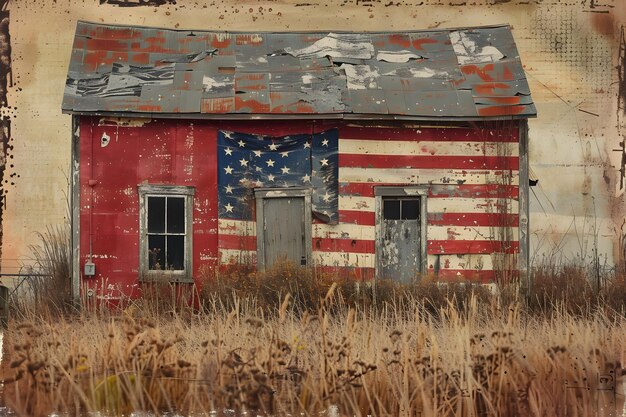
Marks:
<point>396,30</point>
<point>296,116</point>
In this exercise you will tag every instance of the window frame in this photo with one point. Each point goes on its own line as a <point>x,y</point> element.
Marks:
<point>400,192</point>
<point>151,190</point>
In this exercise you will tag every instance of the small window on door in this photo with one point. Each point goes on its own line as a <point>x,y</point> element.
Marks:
<point>165,227</point>
<point>401,209</point>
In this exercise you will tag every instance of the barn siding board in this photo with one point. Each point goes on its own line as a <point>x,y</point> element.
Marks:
<point>77,127</point>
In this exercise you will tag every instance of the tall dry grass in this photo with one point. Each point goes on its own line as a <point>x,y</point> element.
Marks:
<point>48,276</point>
<point>396,359</point>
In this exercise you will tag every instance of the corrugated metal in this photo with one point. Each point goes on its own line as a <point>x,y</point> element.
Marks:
<point>457,73</point>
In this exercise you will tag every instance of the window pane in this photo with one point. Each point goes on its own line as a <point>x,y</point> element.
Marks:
<point>391,209</point>
<point>156,214</point>
<point>175,215</point>
<point>410,209</point>
<point>156,252</point>
<point>176,252</point>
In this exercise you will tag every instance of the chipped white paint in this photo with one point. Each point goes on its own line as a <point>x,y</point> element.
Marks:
<point>472,205</point>
<point>475,262</point>
<point>356,203</point>
<point>396,56</point>
<point>337,45</point>
<point>189,140</point>
<point>344,259</point>
<point>344,231</point>
<point>474,233</point>
<point>437,205</point>
<point>276,193</point>
<point>204,257</point>
<point>209,83</point>
<point>467,51</point>
<point>360,77</point>
<point>103,256</point>
<point>426,148</point>
<point>390,254</point>
<point>123,121</point>
<point>236,227</point>
<point>422,176</point>
<point>428,73</point>
<point>237,256</point>
<point>105,140</point>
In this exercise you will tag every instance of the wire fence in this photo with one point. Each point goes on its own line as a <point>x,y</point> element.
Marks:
<point>17,275</point>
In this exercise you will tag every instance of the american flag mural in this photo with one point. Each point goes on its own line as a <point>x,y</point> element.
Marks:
<point>472,202</point>
<point>248,161</point>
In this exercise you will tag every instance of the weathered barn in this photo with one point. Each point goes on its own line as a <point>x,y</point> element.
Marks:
<point>360,154</point>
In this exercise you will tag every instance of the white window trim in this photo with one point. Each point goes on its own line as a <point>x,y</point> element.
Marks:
<point>401,191</point>
<point>151,190</point>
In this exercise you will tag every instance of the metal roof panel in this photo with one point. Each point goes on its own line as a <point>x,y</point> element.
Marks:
<point>443,73</point>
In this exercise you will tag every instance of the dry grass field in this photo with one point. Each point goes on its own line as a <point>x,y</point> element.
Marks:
<point>425,351</point>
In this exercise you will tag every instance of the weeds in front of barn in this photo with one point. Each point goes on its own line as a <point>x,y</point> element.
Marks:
<point>272,347</point>
<point>290,341</point>
<point>47,278</point>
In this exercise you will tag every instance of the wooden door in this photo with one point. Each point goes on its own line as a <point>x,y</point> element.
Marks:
<point>283,227</point>
<point>400,257</point>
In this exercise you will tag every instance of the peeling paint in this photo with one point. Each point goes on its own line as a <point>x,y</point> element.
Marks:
<point>408,74</point>
<point>338,46</point>
<point>360,77</point>
<point>105,140</point>
<point>396,56</point>
<point>468,52</point>
<point>122,122</point>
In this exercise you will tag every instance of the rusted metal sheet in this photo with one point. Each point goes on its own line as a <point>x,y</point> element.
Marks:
<point>461,73</point>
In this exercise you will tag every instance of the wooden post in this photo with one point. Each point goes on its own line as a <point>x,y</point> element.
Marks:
<point>75,210</point>
<point>524,238</point>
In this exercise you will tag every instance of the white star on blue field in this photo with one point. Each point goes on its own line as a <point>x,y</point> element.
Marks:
<point>248,161</point>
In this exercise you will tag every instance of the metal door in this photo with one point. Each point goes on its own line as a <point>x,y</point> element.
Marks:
<point>400,244</point>
<point>284,234</point>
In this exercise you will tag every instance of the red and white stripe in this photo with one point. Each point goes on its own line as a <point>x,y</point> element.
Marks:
<point>472,203</point>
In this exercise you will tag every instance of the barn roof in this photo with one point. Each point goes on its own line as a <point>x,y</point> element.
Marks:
<point>464,74</point>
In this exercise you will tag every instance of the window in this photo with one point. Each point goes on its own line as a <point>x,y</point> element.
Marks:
<point>401,208</point>
<point>165,245</point>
